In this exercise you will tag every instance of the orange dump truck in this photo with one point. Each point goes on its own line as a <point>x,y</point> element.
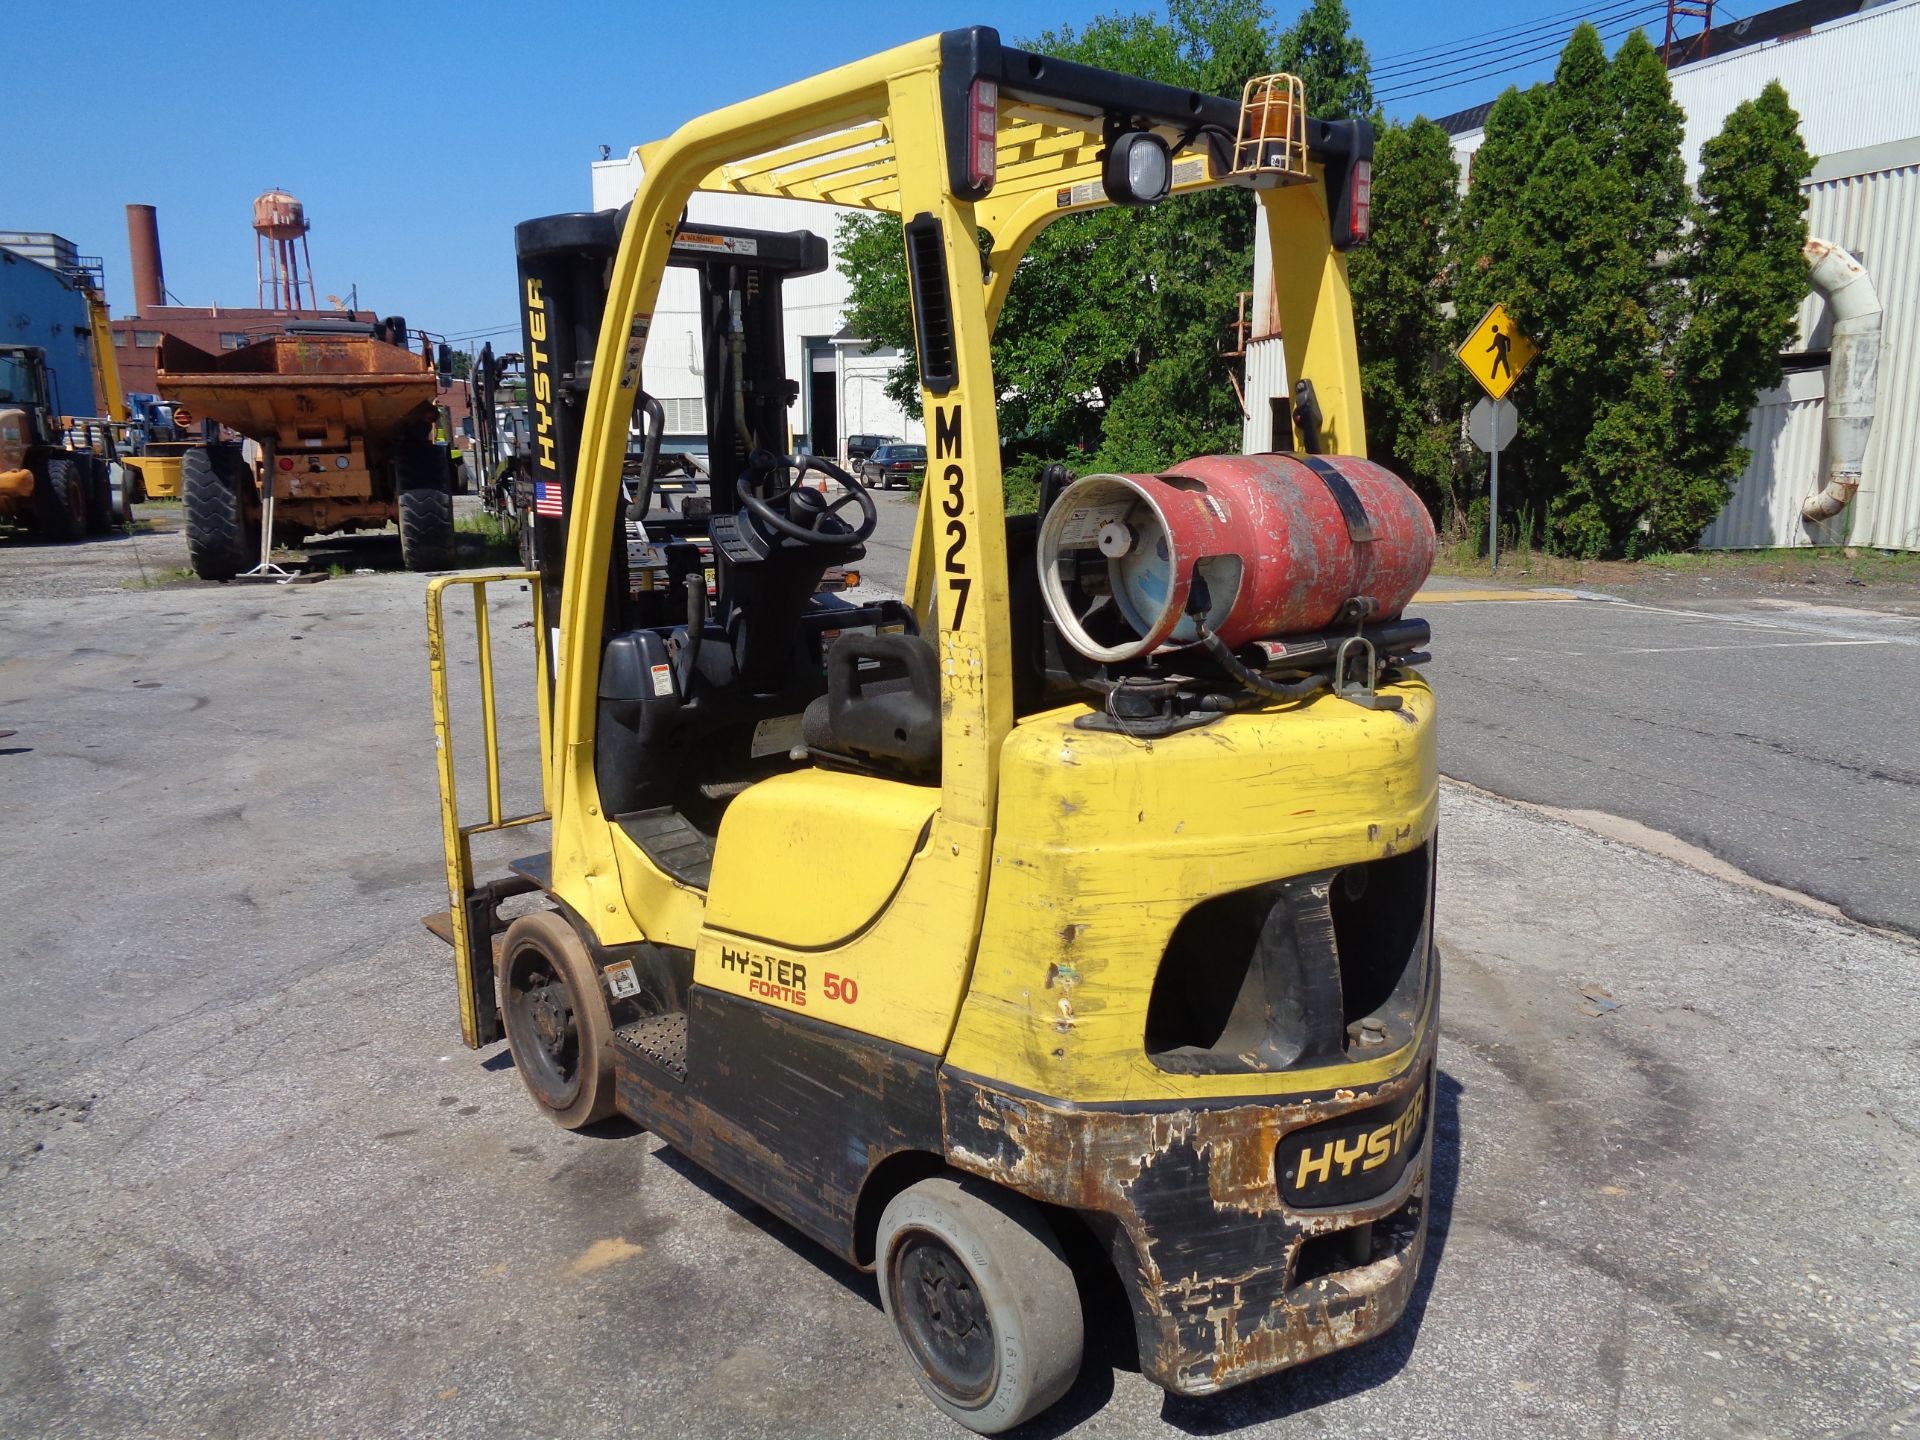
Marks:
<point>342,415</point>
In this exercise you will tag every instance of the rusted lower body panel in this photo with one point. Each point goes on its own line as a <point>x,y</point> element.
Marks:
<point>793,1112</point>
<point>1229,1281</point>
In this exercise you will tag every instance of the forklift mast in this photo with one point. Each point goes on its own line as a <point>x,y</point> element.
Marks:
<point>564,261</point>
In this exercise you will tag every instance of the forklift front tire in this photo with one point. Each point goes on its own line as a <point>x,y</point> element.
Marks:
<point>557,1022</point>
<point>982,1298</point>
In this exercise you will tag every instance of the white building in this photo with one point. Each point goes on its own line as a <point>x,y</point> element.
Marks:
<point>842,379</point>
<point>1852,71</point>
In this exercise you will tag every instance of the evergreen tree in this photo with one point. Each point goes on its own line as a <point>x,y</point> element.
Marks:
<point>1490,249</point>
<point>1330,60</point>
<point>1401,283</point>
<point>1746,277</point>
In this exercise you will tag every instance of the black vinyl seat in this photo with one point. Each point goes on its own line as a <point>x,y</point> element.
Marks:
<point>882,706</point>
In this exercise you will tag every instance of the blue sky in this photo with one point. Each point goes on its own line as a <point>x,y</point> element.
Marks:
<point>418,134</point>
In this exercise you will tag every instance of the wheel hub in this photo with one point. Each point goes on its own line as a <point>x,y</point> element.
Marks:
<point>947,1324</point>
<point>545,1032</point>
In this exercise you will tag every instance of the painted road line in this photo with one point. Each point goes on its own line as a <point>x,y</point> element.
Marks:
<point>1448,597</point>
<point>1751,645</point>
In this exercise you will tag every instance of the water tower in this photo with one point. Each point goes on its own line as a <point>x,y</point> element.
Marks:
<point>279,221</point>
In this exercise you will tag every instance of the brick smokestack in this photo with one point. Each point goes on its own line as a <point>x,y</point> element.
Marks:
<point>143,241</point>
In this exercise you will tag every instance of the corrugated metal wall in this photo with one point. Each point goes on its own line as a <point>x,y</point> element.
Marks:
<point>1849,79</point>
<point>1877,217</point>
<point>38,307</point>
<point>1784,437</point>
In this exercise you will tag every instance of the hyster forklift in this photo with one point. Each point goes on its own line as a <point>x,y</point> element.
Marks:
<point>1081,904</point>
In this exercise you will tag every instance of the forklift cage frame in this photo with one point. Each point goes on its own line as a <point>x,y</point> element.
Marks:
<point>891,133</point>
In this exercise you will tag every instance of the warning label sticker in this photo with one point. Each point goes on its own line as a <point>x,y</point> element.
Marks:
<point>1082,526</point>
<point>662,679</point>
<point>718,244</point>
<point>777,736</point>
<point>622,982</point>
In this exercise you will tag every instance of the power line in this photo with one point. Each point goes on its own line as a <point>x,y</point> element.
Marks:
<point>1420,88</point>
<point>1607,14</point>
<point>1483,35</point>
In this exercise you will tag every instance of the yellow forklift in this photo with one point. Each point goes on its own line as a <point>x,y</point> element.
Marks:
<point>1080,904</point>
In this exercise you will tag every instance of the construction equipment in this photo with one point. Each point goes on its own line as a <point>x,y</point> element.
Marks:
<point>954,943</point>
<point>56,470</point>
<point>161,434</point>
<point>342,415</point>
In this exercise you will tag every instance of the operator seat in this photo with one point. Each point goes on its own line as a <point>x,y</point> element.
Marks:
<point>881,711</point>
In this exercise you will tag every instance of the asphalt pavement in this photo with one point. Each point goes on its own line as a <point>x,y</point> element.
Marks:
<point>253,1186</point>
<point>1777,735</point>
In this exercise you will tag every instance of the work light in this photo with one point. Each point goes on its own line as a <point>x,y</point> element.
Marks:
<point>1138,171</point>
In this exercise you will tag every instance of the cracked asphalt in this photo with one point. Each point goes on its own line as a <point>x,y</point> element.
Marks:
<point>253,1186</point>
<point>1777,734</point>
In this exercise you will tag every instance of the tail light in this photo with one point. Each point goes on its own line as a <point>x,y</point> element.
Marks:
<point>1360,202</point>
<point>983,131</point>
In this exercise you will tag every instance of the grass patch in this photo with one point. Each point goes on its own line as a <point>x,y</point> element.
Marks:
<point>487,538</point>
<point>155,579</point>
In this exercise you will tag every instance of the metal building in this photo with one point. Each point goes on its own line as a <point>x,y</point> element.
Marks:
<point>41,306</point>
<point>1852,71</point>
<point>842,378</point>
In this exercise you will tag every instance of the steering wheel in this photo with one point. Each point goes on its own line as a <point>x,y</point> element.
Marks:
<point>805,510</point>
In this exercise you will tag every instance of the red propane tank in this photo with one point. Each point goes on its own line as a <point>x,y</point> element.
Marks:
<point>1279,542</point>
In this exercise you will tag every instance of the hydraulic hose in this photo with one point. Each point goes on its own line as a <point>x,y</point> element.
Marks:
<point>1253,679</point>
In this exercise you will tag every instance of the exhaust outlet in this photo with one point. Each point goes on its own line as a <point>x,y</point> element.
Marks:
<point>1853,373</point>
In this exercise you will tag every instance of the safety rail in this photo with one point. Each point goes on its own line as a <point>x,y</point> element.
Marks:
<point>472,919</point>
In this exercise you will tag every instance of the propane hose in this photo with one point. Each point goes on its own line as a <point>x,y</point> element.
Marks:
<point>1270,689</point>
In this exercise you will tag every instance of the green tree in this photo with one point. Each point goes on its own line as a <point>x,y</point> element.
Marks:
<point>1117,300</point>
<point>1401,286</point>
<point>1330,60</point>
<point>1745,277</point>
<point>1660,318</point>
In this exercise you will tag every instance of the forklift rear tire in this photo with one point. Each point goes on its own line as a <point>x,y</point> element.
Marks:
<point>216,518</point>
<point>557,1022</point>
<point>982,1297</point>
<point>60,500</point>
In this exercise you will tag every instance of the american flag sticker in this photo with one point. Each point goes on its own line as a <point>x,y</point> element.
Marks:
<point>547,498</point>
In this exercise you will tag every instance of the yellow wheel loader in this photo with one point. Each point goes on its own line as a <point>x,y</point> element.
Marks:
<point>1078,905</point>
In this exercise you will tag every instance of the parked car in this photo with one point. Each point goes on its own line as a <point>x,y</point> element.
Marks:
<point>894,464</point>
<point>859,447</point>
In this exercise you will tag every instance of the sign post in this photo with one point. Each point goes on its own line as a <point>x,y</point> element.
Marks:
<point>1491,427</point>
<point>1495,354</point>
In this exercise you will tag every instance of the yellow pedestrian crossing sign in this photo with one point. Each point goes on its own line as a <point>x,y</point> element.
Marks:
<point>1497,352</point>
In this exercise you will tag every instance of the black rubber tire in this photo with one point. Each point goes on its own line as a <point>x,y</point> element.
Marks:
<point>216,517</point>
<point>956,1248</point>
<point>131,494</point>
<point>426,508</point>
<point>557,1021</point>
<point>59,500</point>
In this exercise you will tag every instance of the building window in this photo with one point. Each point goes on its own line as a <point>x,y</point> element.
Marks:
<point>147,339</point>
<point>231,340</point>
<point>120,338</point>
